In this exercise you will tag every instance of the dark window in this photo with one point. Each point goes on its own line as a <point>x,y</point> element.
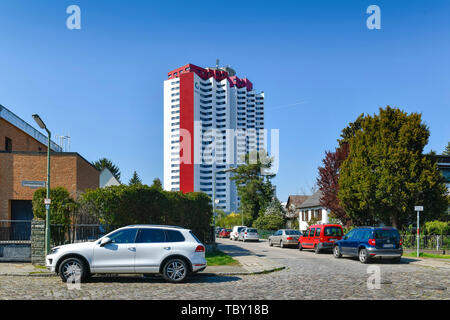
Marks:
<point>292,232</point>
<point>333,232</point>
<point>193,235</point>
<point>351,234</point>
<point>123,236</point>
<point>151,236</point>
<point>8,144</point>
<point>175,236</point>
<point>386,234</point>
<point>311,232</point>
<point>318,232</point>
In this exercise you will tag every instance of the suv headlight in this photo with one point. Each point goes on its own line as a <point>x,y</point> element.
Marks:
<point>54,250</point>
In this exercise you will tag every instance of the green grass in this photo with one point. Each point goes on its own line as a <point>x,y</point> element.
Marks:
<point>218,258</point>
<point>427,255</point>
<point>40,267</point>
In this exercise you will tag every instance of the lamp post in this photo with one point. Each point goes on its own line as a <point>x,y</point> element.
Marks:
<point>42,125</point>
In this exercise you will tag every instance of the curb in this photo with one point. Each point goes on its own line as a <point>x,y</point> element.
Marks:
<point>213,274</point>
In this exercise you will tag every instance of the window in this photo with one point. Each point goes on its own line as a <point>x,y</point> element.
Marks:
<point>311,232</point>
<point>333,232</point>
<point>174,236</point>
<point>123,236</point>
<point>8,144</point>
<point>151,236</point>
<point>318,232</point>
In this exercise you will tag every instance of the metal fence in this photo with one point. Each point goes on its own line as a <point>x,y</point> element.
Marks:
<point>63,234</point>
<point>15,230</point>
<point>430,242</point>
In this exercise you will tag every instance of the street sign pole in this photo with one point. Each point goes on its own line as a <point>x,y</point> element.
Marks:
<point>418,232</point>
<point>418,209</point>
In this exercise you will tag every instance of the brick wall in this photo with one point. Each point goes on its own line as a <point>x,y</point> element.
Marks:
<point>68,170</point>
<point>20,140</point>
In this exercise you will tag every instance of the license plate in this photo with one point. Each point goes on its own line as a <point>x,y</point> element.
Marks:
<point>388,246</point>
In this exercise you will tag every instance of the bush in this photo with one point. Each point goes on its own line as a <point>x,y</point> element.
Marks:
<point>437,227</point>
<point>118,206</point>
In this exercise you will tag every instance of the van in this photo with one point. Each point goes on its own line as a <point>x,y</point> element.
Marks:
<point>320,237</point>
<point>234,234</point>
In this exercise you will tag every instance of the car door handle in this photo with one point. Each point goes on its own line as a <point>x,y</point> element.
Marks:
<point>167,248</point>
<point>132,248</point>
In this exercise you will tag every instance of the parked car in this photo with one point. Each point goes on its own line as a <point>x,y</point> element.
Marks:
<point>174,252</point>
<point>367,243</point>
<point>248,234</point>
<point>225,233</point>
<point>285,237</point>
<point>320,237</point>
<point>218,229</point>
<point>234,234</point>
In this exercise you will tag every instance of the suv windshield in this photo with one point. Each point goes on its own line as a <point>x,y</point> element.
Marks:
<point>386,234</point>
<point>292,232</point>
<point>332,232</point>
<point>251,230</point>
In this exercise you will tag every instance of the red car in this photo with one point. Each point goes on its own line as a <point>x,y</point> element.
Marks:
<point>320,237</point>
<point>225,233</point>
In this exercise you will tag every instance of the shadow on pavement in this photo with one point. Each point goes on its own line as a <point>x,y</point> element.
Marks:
<point>234,250</point>
<point>195,278</point>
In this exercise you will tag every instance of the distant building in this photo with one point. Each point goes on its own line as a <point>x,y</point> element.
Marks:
<point>223,115</point>
<point>23,167</point>
<point>443,163</point>
<point>292,208</point>
<point>107,179</point>
<point>311,208</point>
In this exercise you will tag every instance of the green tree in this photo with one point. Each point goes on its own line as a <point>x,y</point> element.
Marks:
<point>447,150</point>
<point>272,218</point>
<point>386,174</point>
<point>437,227</point>
<point>62,208</point>
<point>253,184</point>
<point>135,180</point>
<point>106,163</point>
<point>157,184</point>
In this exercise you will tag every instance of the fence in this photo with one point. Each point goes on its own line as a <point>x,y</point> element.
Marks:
<point>265,234</point>
<point>63,234</point>
<point>15,230</point>
<point>429,242</point>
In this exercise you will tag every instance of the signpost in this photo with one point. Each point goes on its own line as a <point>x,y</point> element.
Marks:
<point>33,184</point>
<point>418,209</point>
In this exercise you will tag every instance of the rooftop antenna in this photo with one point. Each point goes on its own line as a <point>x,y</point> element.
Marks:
<point>64,143</point>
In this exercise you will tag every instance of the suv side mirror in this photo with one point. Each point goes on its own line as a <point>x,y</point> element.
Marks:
<point>105,241</point>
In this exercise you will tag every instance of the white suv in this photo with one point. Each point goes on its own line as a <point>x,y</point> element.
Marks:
<point>234,234</point>
<point>172,251</point>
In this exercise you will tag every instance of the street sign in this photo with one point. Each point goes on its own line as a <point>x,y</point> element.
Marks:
<point>47,201</point>
<point>418,208</point>
<point>33,184</point>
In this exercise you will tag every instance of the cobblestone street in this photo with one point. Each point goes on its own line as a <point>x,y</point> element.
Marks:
<point>307,276</point>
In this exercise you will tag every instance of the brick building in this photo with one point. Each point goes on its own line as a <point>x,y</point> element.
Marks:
<point>23,161</point>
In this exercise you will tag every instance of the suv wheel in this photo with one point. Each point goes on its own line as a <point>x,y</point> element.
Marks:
<point>316,249</point>
<point>363,256</point>
<point>73,270</point>
<point>175,270</point>
<point>337,252</point>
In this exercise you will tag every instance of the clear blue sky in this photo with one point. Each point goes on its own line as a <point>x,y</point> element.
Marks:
<point>317,62</point>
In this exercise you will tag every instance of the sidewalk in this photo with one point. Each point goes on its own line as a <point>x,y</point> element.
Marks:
<point>428,262</point>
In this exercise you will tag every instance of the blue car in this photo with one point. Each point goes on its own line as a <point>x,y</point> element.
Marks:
<point>367,243</point>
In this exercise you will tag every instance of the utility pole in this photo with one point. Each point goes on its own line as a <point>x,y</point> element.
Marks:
<point>42,125</point>
<point>418,209</point>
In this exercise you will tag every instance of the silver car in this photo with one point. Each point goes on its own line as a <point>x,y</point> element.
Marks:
<point>248,234</point>
<point>285,237</point>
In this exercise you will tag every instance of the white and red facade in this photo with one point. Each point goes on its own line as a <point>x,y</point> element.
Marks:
<point>211,119</point>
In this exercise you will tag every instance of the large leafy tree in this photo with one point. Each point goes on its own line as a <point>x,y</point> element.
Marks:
<point>328,180</point>
<point>253,184</point>
<point>386,174</point>
<point>106,163</point>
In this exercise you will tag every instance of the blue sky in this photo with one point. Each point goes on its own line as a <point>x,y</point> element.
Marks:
<point>317,62</point>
